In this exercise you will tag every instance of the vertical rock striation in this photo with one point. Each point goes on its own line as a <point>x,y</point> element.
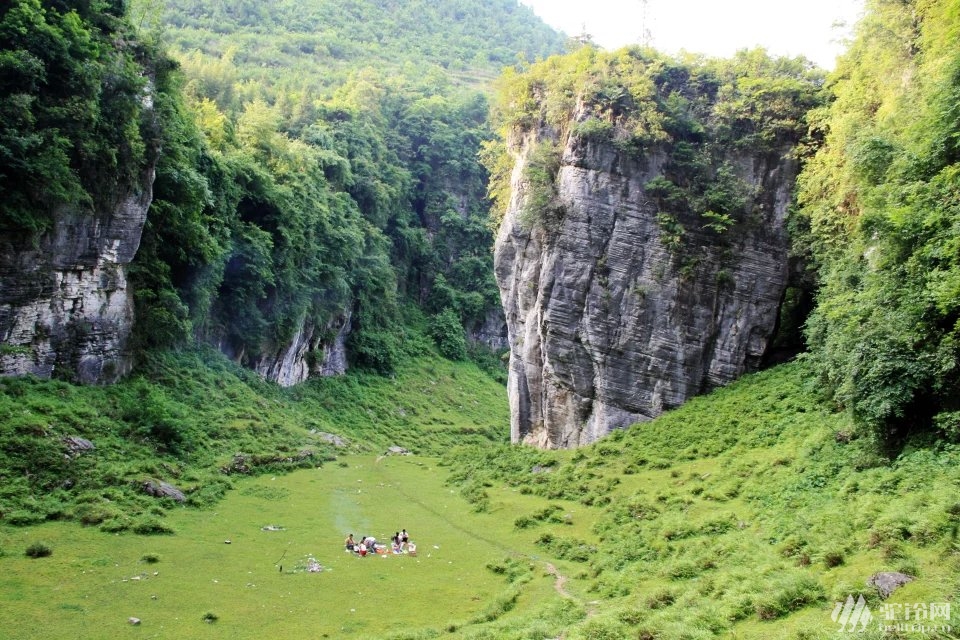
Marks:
<point>308,353</point>
<point>609,322</point>
<point>65,308</point>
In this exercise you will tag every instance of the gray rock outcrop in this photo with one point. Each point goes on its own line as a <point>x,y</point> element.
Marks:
<point>309,352</point>
<point>886,582</point>
<point>77,446</point>
<point>330,438</point>
<point>396,451</point>
<point>65,307</point>
<point>159,489</point>
<point>607,325</point>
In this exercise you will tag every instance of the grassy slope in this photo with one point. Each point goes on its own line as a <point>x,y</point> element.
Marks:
<point>746,512</point>
<point>750,511</point>
<point>187,417</point>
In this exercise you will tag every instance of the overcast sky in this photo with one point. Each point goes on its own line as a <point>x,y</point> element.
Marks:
<point>716,28</point>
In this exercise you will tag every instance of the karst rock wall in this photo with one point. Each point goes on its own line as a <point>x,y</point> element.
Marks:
<point>607,325</point>
<point>65,307</point>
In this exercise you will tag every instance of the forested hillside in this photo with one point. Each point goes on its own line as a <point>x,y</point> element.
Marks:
<point>321,173</point>
<point>881,200</point>
<point>318,173</point>
<point>316,43</point>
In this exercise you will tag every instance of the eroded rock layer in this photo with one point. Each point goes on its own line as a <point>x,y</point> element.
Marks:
<point>65,307</point>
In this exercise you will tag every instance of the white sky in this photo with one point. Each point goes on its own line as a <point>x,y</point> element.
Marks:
<point>716,28</point>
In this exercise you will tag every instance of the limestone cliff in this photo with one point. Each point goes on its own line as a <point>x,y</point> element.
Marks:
<point>65,308</point>
<point>611,319</point>
<point>309,352</point>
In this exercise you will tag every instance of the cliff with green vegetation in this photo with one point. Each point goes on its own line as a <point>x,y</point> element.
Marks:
<point>296,206</point>
<point>78,151</point>
<point>300,224</point>
<point>642,255</point>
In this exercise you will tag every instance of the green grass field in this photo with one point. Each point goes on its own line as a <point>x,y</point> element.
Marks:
<point>745,514</point>
<point>93,582</point>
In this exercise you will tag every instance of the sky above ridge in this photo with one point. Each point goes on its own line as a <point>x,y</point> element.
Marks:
<point>716,28</point>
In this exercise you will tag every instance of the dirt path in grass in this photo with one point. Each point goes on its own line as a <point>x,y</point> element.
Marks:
<point>560,585</point>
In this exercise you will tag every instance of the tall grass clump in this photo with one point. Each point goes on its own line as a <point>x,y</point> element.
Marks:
<point>38,550</point>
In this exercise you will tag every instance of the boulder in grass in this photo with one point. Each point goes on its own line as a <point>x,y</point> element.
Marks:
<point>886,582</point>
<point>239,464</point>
<point>332,438</point>
<point>159,489</point>
<point>77,446</point>
<point>133,621</point>
<point>397,451</point>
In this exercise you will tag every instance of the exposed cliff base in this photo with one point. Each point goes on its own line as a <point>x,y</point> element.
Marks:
<point>308,353</point>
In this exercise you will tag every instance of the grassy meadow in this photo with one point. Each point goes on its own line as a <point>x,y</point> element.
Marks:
<point>747,513</point>
<point>258,584</point>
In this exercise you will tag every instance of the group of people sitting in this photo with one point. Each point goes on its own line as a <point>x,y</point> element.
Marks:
<point>399,543</point>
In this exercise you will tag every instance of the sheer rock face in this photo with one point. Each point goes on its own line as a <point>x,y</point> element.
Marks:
<point>309,353</point>
<point>607,326</point>
<point>492,332</point>
<point>65,307</point>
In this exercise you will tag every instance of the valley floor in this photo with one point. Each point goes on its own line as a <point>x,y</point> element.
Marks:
<point>245,562</point>
<point>749,513</point>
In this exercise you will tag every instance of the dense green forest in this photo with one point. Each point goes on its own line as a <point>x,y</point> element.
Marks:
<point>334,185</point>
<point>880,203</point>
<point>316,44</point>
<point>72,122</point>
<point>327,172</point>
